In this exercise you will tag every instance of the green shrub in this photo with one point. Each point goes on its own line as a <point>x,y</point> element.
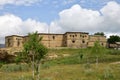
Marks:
<point>14,67</point>
<point>114,52</point>
<point>1,63</point>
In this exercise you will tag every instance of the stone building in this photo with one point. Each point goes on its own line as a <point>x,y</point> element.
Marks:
<point>68,39</point>
<point>101,39</point>
<point>14,41</point>
<point>76,39</point>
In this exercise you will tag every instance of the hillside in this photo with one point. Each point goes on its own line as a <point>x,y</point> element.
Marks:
<point>69,64</point>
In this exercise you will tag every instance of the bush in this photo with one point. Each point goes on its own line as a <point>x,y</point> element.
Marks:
<point>114,52</point>
<point>15,67</point>
<point>1,63</point>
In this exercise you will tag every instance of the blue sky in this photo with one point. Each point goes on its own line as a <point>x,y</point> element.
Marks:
<point>48,10</point>
<point>23,16</point>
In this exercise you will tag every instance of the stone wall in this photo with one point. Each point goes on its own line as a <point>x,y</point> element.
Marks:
<point>94,38</point>
<point>76,39</point>
<point>52,40</point>
<point>14,41</point>
<point>69,39</point>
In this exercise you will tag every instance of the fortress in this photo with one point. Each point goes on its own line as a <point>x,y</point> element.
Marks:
<point>68,39</point>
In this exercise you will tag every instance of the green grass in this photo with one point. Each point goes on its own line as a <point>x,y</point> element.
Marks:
<point>104,71</point>
<point>72,67</point>
<point>75,56</point>
<point>15,67</point>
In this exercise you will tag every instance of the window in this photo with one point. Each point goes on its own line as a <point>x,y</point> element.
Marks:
<point>53,37</point>
<point>83,41</point>
<point>8,42</point>
<point>87,43</point>
<point>73,41</point>
<point>18,43</point>
<point>73,35</point>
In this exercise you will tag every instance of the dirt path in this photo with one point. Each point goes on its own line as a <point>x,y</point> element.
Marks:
<point>118,62</point>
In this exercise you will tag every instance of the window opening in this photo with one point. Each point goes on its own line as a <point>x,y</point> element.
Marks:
<point>8,42</point>
<point>73,41</point>
<point>53,37</point>
<point>83,41</point>
<point>18,43</point>
<point>73,35</point>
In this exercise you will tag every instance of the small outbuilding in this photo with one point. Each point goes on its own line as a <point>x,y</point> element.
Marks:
<point>117,45</point>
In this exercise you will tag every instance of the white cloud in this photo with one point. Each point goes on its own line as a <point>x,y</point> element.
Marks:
<point>74,19</point>
<point>18,2</point>
<point>32,25</point>
<point>55,28</point>
<point>14,25</point>
<point>111,16</point>
<point>80,19</point>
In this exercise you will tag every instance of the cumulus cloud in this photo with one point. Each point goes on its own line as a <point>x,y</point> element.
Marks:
<point>18,2</point>
<point>14,25</point>
<point>111,16</point>
<point>76,18</point>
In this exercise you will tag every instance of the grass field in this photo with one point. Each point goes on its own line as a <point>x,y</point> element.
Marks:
<point>104,71</point>
<point>71,67</point>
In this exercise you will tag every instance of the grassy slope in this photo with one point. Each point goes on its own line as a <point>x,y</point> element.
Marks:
<point>73,67</point>
<point>75,56</point>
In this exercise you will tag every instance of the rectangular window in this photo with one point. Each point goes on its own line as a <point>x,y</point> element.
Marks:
<point>53,37</point>
<point>18,43</point>
<point>8,41</point>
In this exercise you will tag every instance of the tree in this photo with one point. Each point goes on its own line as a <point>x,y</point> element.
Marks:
<point>97,51</point>
<point>113,39</point>
<point>33,52</point>
<point>99,33</point>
